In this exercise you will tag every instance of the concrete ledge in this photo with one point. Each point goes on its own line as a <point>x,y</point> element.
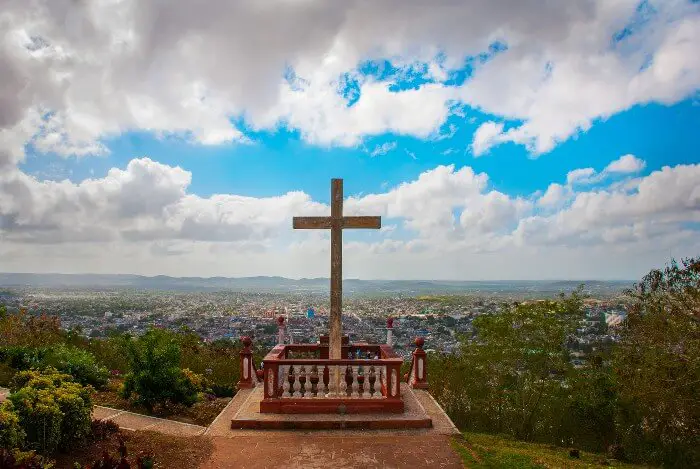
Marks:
<point>331,406</point>
<point>340,424</point>
<point>249,417</point>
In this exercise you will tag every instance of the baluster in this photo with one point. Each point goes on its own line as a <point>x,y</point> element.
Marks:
<point>355,383</point>
<point>373,394</point>
<point>364,384</point>
<point>324,378</point>
<point>297,383</point>
<point>382,379</point>
<point>331,392</point>
<point>314,381</point>
<point>305,385</point>
<point>286,382</point>
<point>343,382</point>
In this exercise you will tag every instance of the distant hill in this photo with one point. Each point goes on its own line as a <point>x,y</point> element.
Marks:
<point>311,285</point>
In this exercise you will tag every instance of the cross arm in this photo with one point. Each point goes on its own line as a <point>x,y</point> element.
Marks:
<point>362,222</point>
<point>311,223</point>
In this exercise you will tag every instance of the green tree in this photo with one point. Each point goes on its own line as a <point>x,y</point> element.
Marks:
<point>657,363</point>
<point>155,375</point>
<point>511,377</point>
<point>78,363</point>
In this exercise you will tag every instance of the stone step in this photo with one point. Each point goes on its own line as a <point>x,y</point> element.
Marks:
<point>248,417</point>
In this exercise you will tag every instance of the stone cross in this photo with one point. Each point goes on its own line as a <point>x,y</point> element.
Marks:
<point>336,222</point>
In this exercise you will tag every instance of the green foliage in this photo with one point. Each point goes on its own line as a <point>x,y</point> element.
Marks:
<point>11,434</point>
<point>3,311</point>
<point>512,377</point>
<point>109,352</point>
<point>16,459</point>
<point>657,364</point>
<point>218,362</point>
<point>588,420</point>
<point>53,411</point>
<point>155,375</point>
<point>22,357</point>
<point>23,329</point>
<point>78,363</point>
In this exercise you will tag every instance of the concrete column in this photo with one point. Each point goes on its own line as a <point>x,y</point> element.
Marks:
<point>419,371</point>
<point>389,331</point>
<point>280,330</point>
<point>247,368</point>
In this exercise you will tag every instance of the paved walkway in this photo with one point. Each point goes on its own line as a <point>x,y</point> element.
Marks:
<point>259,449</point>
<point>132,421</point>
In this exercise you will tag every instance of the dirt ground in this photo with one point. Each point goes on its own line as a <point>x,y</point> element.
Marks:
<point>170,452</point>
<point>290,450</point>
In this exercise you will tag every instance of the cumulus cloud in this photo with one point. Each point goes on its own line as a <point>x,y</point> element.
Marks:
<point>625,164</point>
<point>581,175</point>
<point>447,215</point>
<point>485,137</point>
<point>145,201</point>
<point>75,73</point>
<point>555,195</point>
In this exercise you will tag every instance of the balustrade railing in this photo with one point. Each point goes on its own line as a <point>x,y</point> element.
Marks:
<point>301,378</point>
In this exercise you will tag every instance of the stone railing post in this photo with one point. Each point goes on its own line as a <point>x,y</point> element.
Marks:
<point>418,372</point>
<point>390,331</point>
<point>280,330</point>
<point>247,367</point>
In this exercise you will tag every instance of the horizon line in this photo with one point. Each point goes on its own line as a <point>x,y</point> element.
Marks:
<point>582,280</point>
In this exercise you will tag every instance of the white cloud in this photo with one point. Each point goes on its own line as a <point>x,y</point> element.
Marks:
<point>143,219</point>
<point>625,164</point>
<point>486,136</point>
<point>555,195</point>
<point>102,68</point>
<point>581,175</point>
<point>383,149</point>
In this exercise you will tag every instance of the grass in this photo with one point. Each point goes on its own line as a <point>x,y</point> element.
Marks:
<point>495,452</point>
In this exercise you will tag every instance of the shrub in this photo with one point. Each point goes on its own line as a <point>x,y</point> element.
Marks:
<point>53,410</point>
<point>22,357</point>
<point>102,429</point>
<point>121,462</point>
<point>155,376</point>
<point>11,434</point>
<point>80,364</point>
<point>15,459</point>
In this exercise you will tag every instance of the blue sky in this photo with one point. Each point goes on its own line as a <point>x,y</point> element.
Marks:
<point>497,141</point>
<point>280,161</point>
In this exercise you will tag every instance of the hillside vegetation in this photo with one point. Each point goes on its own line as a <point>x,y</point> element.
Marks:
<point>490,451</point>
<point>637,399</point>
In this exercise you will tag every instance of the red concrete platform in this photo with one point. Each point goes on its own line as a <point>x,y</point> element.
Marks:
<point>248,416</point>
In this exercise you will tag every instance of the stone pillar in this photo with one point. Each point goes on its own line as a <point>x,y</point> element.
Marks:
<point>419,371</point>
<point>389,331</point>
<point>280,330</point>
<point>247,368</point>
